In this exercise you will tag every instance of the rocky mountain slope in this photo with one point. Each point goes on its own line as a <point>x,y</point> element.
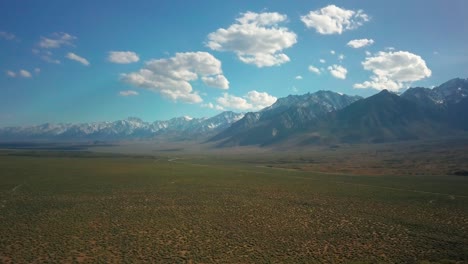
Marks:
<point>323,117</point>
<point>130,128</point>
<point>327,117</point>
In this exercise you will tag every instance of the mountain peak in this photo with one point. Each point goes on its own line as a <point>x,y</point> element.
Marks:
<point>383,116</point>
<point>448,93</point>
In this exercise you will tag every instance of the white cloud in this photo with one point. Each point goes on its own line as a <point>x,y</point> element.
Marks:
<point>171,77</point>
<point>128,93</point>
<point>299,77</point>
<point>256,38</point>
<point>252,101</point>
<point>359,43</point>
<point>216,81</point>
<point>332,52</point>
<point>123,57</point>
<point>334,20</point>
<point>338,71</point>
<point>7,35</point>
<point>379,83</point>
<point>24,73</point>
<point>368,53</point>
<point>45,55</point>
<point>260,99</point>
<point>314,69</point>
<point>322,61</point>
<point>341,57</point>
<point>57,40</point>
<point>10,74</point>
<point>208,105</point>
<point>394,70</point>
<point>234,102</point>
<point>21,73</point>
<point>73,56</point>
<point>213,106</point>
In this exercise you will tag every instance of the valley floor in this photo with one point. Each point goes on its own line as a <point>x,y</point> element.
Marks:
<point>166,207</point>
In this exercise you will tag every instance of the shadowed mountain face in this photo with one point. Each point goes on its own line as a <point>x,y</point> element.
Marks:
<point>385,117</point>
<point>284,118</point>
<point>323,117</point>
<point>449,93</point>
<point>326,117</point>
<point>458,114</point>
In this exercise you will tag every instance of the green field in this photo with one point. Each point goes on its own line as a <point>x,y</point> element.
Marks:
<point>85,207</point>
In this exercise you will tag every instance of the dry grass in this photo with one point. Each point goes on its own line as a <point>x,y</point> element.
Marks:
<point>147,209</point>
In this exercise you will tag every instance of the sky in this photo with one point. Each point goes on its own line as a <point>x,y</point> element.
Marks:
<point>88,61</point>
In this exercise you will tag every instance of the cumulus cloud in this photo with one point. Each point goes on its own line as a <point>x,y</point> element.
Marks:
<point>213,106</point>
<point>334,20</point>
<point>260,99</point>
<point>21,73</point>
<point>128,93</point>
<point>25,74</point>
<point>73,56</point>
<point>252,101</point>
<point>338,71</point>
<point>299,77</point>
<point>332,52</point>
<point>322,61</point>
<point>10,74</point>
<point>314,69</point>
<point>123,57</point>
<point>341,57</point>
<point>216,81</point>
<point>46,55</point>
<point>394,70</point>
<point>171,77</point>
<point>256,38</point>
<point>359,43</point>
<point>57,40</point>
<point>7,36</point>
<point>233,102</point>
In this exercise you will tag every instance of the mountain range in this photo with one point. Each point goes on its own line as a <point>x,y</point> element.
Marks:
<point>327,118</point>
<point>180,128</point>
<point>323,117</point>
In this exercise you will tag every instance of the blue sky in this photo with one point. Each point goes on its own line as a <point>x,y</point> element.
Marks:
<point>85,61</point>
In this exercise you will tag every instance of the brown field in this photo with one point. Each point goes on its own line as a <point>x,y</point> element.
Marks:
<point>302,207</point>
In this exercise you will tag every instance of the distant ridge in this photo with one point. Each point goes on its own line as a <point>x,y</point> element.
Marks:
<point>323,117</point>
<point>179,128</point>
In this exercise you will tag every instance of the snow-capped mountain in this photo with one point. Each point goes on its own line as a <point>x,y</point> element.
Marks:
<point>327,100</point>
<point>130,128</point>
<point>286,115</point>
<point>326,116</point>
<point>450,92</point>
<point>323,116</point>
